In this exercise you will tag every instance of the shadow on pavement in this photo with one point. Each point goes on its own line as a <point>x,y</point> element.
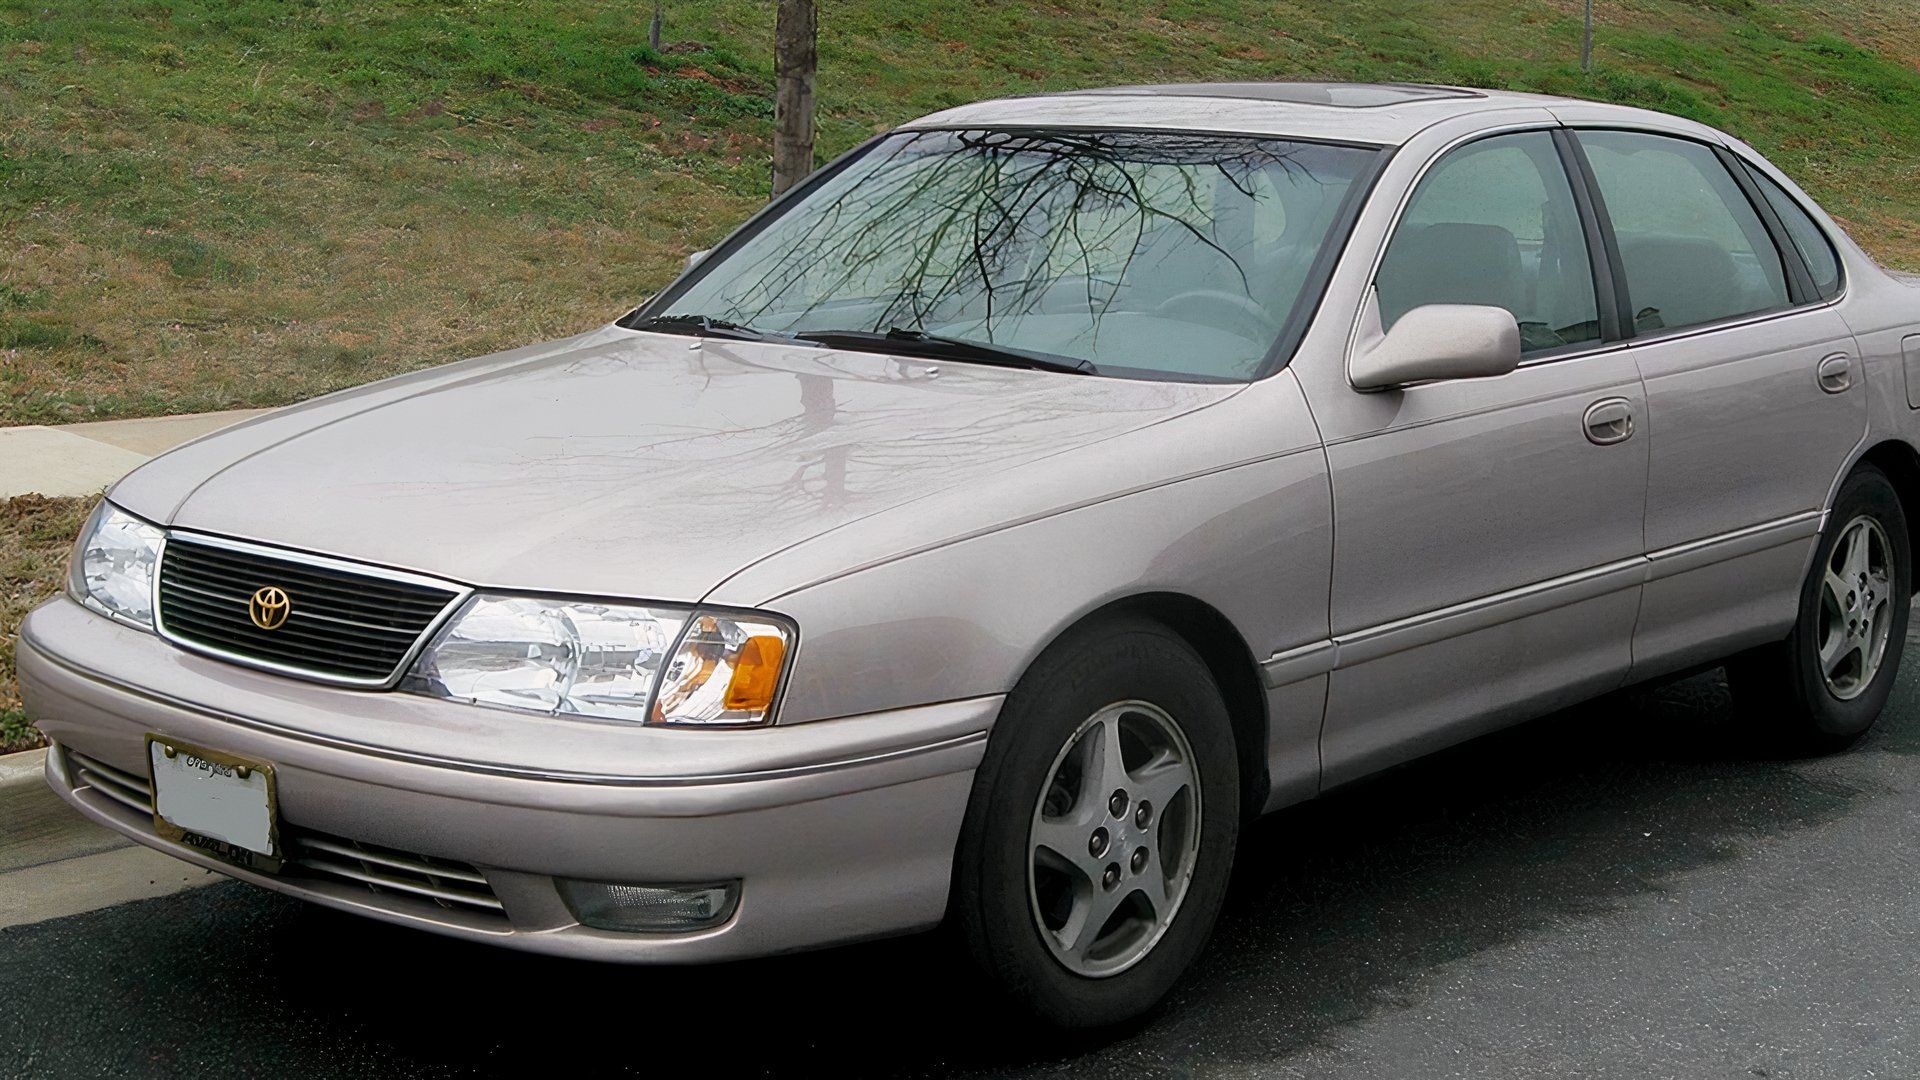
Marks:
<point>1336,909</point>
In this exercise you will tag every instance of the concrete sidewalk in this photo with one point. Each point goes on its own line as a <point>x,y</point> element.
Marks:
<point>81,459</point>
<point>53,862</point>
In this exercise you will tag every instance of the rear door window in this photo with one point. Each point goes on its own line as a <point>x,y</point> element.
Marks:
<point>1693,248</point>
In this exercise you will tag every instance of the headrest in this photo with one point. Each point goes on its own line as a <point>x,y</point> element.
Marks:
<point>1451,263</point>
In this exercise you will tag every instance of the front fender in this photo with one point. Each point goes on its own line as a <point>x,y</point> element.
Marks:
<point>1252,541</point>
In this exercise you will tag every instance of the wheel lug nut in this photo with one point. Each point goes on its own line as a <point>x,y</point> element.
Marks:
<point>1112,876</point>
<point>1142,814</point>
<point>1139,859</point>
<point>1097,843</point>
<point>1117,803</point>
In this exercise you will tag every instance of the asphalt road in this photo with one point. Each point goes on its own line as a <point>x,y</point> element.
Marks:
<point>1620,891</point>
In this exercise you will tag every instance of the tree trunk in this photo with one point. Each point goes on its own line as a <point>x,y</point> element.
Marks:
<point>653,28</point>
<point>794,61</point>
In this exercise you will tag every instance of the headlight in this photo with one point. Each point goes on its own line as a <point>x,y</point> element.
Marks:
<point>652,664</point>
<point>113,563</point>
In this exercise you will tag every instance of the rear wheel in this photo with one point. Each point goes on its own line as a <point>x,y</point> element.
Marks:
<point>1823,687</point>
<point>1097,846</point>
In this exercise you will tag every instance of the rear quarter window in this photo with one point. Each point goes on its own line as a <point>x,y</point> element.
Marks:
<point>1809,239</point>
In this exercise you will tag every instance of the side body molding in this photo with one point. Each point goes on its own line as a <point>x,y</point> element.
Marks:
<point>1786,539</point>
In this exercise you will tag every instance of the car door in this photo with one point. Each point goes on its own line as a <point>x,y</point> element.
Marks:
<point>1487,532</point>
<point>1753,394</point>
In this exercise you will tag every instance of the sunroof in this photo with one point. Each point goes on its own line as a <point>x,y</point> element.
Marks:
<point>1340,95</point>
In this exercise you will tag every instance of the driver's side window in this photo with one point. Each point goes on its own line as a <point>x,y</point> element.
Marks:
<point>1495,223</point>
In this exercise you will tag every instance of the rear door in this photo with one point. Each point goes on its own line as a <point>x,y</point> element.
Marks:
<point>1753,391</point>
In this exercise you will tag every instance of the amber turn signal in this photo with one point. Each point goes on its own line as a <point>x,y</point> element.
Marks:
<point>756,675</point>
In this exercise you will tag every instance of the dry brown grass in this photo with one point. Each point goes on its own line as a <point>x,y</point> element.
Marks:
<point>1892,29</point>
<point>35,534</point>
<point>353,274</point>
<point>220,205</point>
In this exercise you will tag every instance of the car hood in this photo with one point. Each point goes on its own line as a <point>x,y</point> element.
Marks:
<point>620,463</point>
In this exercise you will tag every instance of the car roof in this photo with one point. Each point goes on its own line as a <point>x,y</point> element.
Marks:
<point>1335,95</point>
<point>1380,113</point>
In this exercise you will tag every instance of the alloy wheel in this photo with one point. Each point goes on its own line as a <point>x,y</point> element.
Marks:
<point>1856,611</point>
<point>1115,838</point>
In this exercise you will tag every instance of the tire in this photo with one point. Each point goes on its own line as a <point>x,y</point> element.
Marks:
<point>1801,706</point>
<point>1043,785</point>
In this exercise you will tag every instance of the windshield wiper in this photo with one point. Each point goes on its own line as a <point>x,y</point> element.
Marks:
<point>896,339</point>
<point>936,346</point>
<point>707,326</point>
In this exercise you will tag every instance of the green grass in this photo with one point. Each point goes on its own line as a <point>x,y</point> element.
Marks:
<point>226,203</point>
<point>17,732</point>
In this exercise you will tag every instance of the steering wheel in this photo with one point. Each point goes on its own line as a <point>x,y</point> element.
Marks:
<point>1218,307</point>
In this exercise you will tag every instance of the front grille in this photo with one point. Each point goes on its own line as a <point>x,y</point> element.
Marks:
<point>341,624</point>
<point>455,886</point>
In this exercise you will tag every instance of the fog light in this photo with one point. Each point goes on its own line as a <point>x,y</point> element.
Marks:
<point>650,909</point>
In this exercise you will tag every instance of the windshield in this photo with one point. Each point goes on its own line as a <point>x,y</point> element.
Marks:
<point>1150,254</point>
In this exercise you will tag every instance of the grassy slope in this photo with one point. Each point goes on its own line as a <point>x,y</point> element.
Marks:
<point>220,203</point>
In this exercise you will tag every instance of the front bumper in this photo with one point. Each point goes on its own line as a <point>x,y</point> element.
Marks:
<point>838,830</point>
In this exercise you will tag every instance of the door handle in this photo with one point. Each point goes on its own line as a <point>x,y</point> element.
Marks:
<point>1836,373</point>
<point>1609,421</point>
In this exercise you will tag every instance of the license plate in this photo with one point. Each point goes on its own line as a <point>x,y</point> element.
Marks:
<point>221,803</point>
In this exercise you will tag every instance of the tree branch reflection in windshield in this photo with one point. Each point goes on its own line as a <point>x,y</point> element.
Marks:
<point>1158,251</point>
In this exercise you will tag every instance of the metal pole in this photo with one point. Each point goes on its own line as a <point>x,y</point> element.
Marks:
<point>1586,42</point>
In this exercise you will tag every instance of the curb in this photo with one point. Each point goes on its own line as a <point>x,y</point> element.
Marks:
<point>36,824</point>
<point>54,862</point>
<point>23,769</point>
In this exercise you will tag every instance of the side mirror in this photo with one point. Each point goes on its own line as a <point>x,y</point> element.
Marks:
<point>1440,341</point>
<point>693,259</point>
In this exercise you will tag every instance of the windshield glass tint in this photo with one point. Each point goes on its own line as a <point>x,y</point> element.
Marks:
<point>1155,254</point>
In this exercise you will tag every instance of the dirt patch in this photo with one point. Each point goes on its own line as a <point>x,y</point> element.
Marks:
<point>36,532</point>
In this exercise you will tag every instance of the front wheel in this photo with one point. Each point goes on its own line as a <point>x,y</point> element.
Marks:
<point>1098,842</point>
<point>1823,687</point>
